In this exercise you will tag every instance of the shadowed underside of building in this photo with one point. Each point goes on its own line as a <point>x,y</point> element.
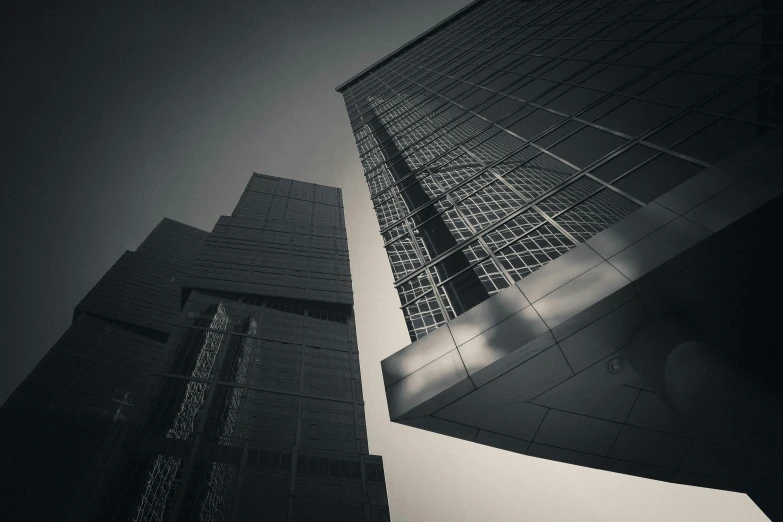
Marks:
<point>578,201</point>
<point>207,376</point>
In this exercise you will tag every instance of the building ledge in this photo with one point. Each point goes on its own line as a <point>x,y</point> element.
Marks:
<point>540,368</point>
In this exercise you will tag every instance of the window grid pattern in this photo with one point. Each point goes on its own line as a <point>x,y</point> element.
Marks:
<point>534,251</point>
<point>595,214</point>
<point>171,401</point>
<point>557,115</point>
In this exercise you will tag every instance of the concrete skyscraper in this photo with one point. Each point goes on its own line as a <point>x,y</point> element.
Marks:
<point>577,200</point>
<point>207,376</point>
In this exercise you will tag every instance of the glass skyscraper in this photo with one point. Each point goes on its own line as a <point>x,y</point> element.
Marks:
<point>207,376</point>
<point>549,177</point>
<point>517,130</point>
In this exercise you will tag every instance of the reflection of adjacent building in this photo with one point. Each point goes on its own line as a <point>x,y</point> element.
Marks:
<point>550,181</point>
<point>206,377</point>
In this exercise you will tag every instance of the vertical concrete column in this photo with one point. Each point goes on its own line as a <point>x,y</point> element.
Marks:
<point>724,405</point>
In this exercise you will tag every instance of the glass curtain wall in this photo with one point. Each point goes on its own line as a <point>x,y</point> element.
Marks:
<point>518,130</point>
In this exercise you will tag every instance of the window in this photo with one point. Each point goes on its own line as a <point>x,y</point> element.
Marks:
<point>500,107</point>
<point>559,133</point>
<point>657,177</point>
<point>681,128</point>
<point>683,89</point>
<point>534,251</point>
<point>414,288</point>
<point>490,205</point>
<point>403,257</point>
<point>608,78</point>
<point>587,146</point>
<point>534,124</point>
<point>574,100</point>
<point>715,142</point>
<point>532,89</point>
<point>595,214</point>
<point>423,316</point>
<point>512,229</point>
<point>634,117</point>
<point>622,163</point>
<point>475,98</point>
<point>565,197</point>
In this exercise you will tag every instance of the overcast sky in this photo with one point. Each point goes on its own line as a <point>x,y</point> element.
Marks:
<point>116,114</point>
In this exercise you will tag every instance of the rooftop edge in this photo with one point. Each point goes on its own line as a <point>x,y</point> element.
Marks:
<point>405,46</point>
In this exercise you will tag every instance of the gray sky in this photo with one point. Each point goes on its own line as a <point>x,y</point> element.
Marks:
<point>116,114</point>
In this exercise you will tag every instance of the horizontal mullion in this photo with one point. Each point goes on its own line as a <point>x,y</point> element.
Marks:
<point>590,62</point>
<point>493,227</point>
<point>452,124</point>
<point>451,169</point>
<point>638,40</point>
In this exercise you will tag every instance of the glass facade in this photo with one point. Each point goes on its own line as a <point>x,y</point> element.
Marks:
<point>516,130</point>
<point>209,377</point>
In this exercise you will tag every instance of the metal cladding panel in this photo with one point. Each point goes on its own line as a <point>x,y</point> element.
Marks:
<point>566,392</point>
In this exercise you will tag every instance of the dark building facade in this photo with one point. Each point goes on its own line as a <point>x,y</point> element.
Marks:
<point>568,191</point>
<point>207,376</point>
